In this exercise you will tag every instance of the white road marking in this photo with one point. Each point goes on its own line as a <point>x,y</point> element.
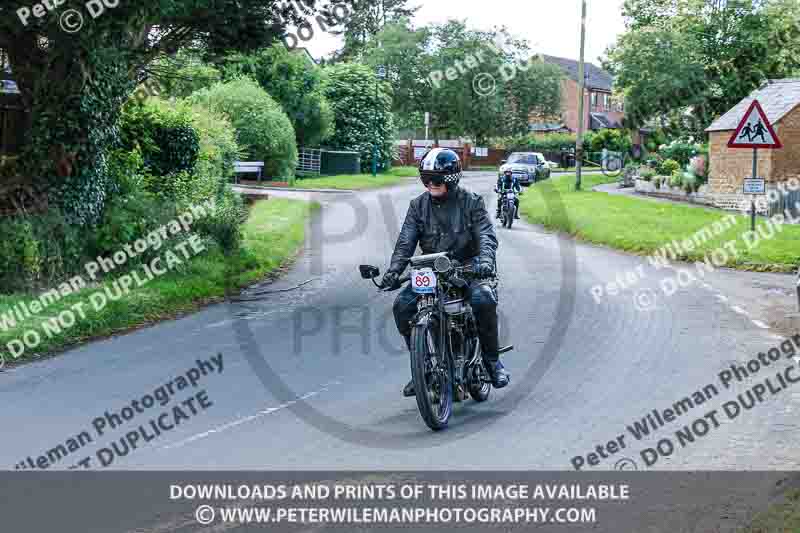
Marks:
<point>760,324</point>
<point>721,298</point>
<point>243,420</point>
<point>739,310</point>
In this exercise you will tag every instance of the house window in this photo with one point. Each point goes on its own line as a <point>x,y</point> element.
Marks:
<point>594,99</point>
<point>605,102</point>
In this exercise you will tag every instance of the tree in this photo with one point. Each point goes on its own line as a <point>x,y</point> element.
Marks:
<point>403,51</point>
<point>73,83</point>
<point>686,62</point>
<point>363,115</point>
<point>294,81</point>
<point>366,20</point>
<point>500,87</point>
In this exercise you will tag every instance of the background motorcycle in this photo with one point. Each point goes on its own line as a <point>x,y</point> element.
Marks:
<point>508,207</point>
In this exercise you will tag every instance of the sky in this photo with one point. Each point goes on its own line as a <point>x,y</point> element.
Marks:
<point>551,26</point>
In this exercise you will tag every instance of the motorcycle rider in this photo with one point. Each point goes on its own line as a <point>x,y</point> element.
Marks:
<point>508,182</point>
<point>449,218</point>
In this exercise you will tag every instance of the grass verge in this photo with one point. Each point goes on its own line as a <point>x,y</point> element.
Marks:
<point>354,182</point>
<point>644,226</point>
<point>783,517</point>
<point>272,234</point>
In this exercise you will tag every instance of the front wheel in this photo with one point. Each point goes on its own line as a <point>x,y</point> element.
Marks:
<point>432,375</point>
<point>511,212</point>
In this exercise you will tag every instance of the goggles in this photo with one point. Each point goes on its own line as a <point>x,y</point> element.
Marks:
<point>432,180</point>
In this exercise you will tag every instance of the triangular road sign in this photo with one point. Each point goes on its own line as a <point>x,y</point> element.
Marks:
<point>755,130</point>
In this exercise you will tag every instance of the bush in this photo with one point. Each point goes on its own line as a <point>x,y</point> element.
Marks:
<point>358,113</point>
<point>676,179</point>
<point>646,173</point>
<point>296,84</point>
<point>551,142</point>
<point>263,130</point>
<point>680,151</point>
<point>608,139</point>
<point>163,133</point>
<point>39,250</point>
<point>218,153</point>
<point>668,167</point>
<point>128,218</point>
<point>125,172</point>
<point>224,225</point>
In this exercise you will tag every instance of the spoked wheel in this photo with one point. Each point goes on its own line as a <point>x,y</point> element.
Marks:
<point>433,377</point>
<point>479,389</point>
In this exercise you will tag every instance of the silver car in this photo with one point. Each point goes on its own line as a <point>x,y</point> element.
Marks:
<point>528,167</point>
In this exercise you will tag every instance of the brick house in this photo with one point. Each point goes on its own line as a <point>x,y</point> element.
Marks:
<point>729,166</point>
<point>601,109</point>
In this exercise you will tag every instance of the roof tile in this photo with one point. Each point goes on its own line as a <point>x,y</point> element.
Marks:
<point>777,98</point>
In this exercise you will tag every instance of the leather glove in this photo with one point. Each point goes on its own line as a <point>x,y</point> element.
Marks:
<point>485,270</point>
<point>389,280</point>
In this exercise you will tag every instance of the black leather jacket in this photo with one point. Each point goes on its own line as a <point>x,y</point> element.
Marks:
<point>459,225</point>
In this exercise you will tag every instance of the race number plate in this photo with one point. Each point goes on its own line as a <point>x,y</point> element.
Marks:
<point>423,281</point>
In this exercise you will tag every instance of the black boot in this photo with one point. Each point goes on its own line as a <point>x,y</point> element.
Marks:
<point>497,373</point>
<point>408,390</point>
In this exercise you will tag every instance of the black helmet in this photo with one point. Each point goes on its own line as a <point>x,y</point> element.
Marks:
<point>440,165</point>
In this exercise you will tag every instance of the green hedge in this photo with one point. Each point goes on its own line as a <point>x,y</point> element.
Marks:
<point>262,128</point>
<point>164,134</point>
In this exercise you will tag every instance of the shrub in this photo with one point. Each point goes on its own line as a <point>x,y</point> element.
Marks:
<point>125,172</point>
<point>295,83</point>
<point>224,225</point>
<point>699,167</point>
<point>39,249</point>
<point>128,218</point>
<point>680,151</point>
<point>608,139</point>
<point>676,179</point>
<point>218,153</point>
<point>163,133</point>
<point>550,142</point>
<point>360,116</point>
<point>263,130</point>
<point>668,167</point>
<point>646,173</point>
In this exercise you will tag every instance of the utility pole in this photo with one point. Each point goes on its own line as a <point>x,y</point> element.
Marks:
<point>581,109</point>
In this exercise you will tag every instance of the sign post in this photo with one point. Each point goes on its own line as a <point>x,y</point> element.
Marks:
<point>755,131</point>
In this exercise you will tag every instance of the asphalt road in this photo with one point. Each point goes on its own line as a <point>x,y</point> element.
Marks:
<point>298,392</point>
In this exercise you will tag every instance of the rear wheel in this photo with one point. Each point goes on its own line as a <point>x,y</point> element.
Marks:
<point>433,377</point>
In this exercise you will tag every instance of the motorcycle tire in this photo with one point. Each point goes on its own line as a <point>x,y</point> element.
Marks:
<point>512,212</point>
<point>434,393</point>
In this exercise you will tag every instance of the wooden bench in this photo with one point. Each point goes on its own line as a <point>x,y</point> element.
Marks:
<point>248,167</point>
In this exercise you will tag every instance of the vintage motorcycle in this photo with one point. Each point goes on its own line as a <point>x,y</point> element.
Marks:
<point>446,360</point>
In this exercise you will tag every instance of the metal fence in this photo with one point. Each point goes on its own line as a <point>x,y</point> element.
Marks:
<point>785,202</point>
<point>309,161</point>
